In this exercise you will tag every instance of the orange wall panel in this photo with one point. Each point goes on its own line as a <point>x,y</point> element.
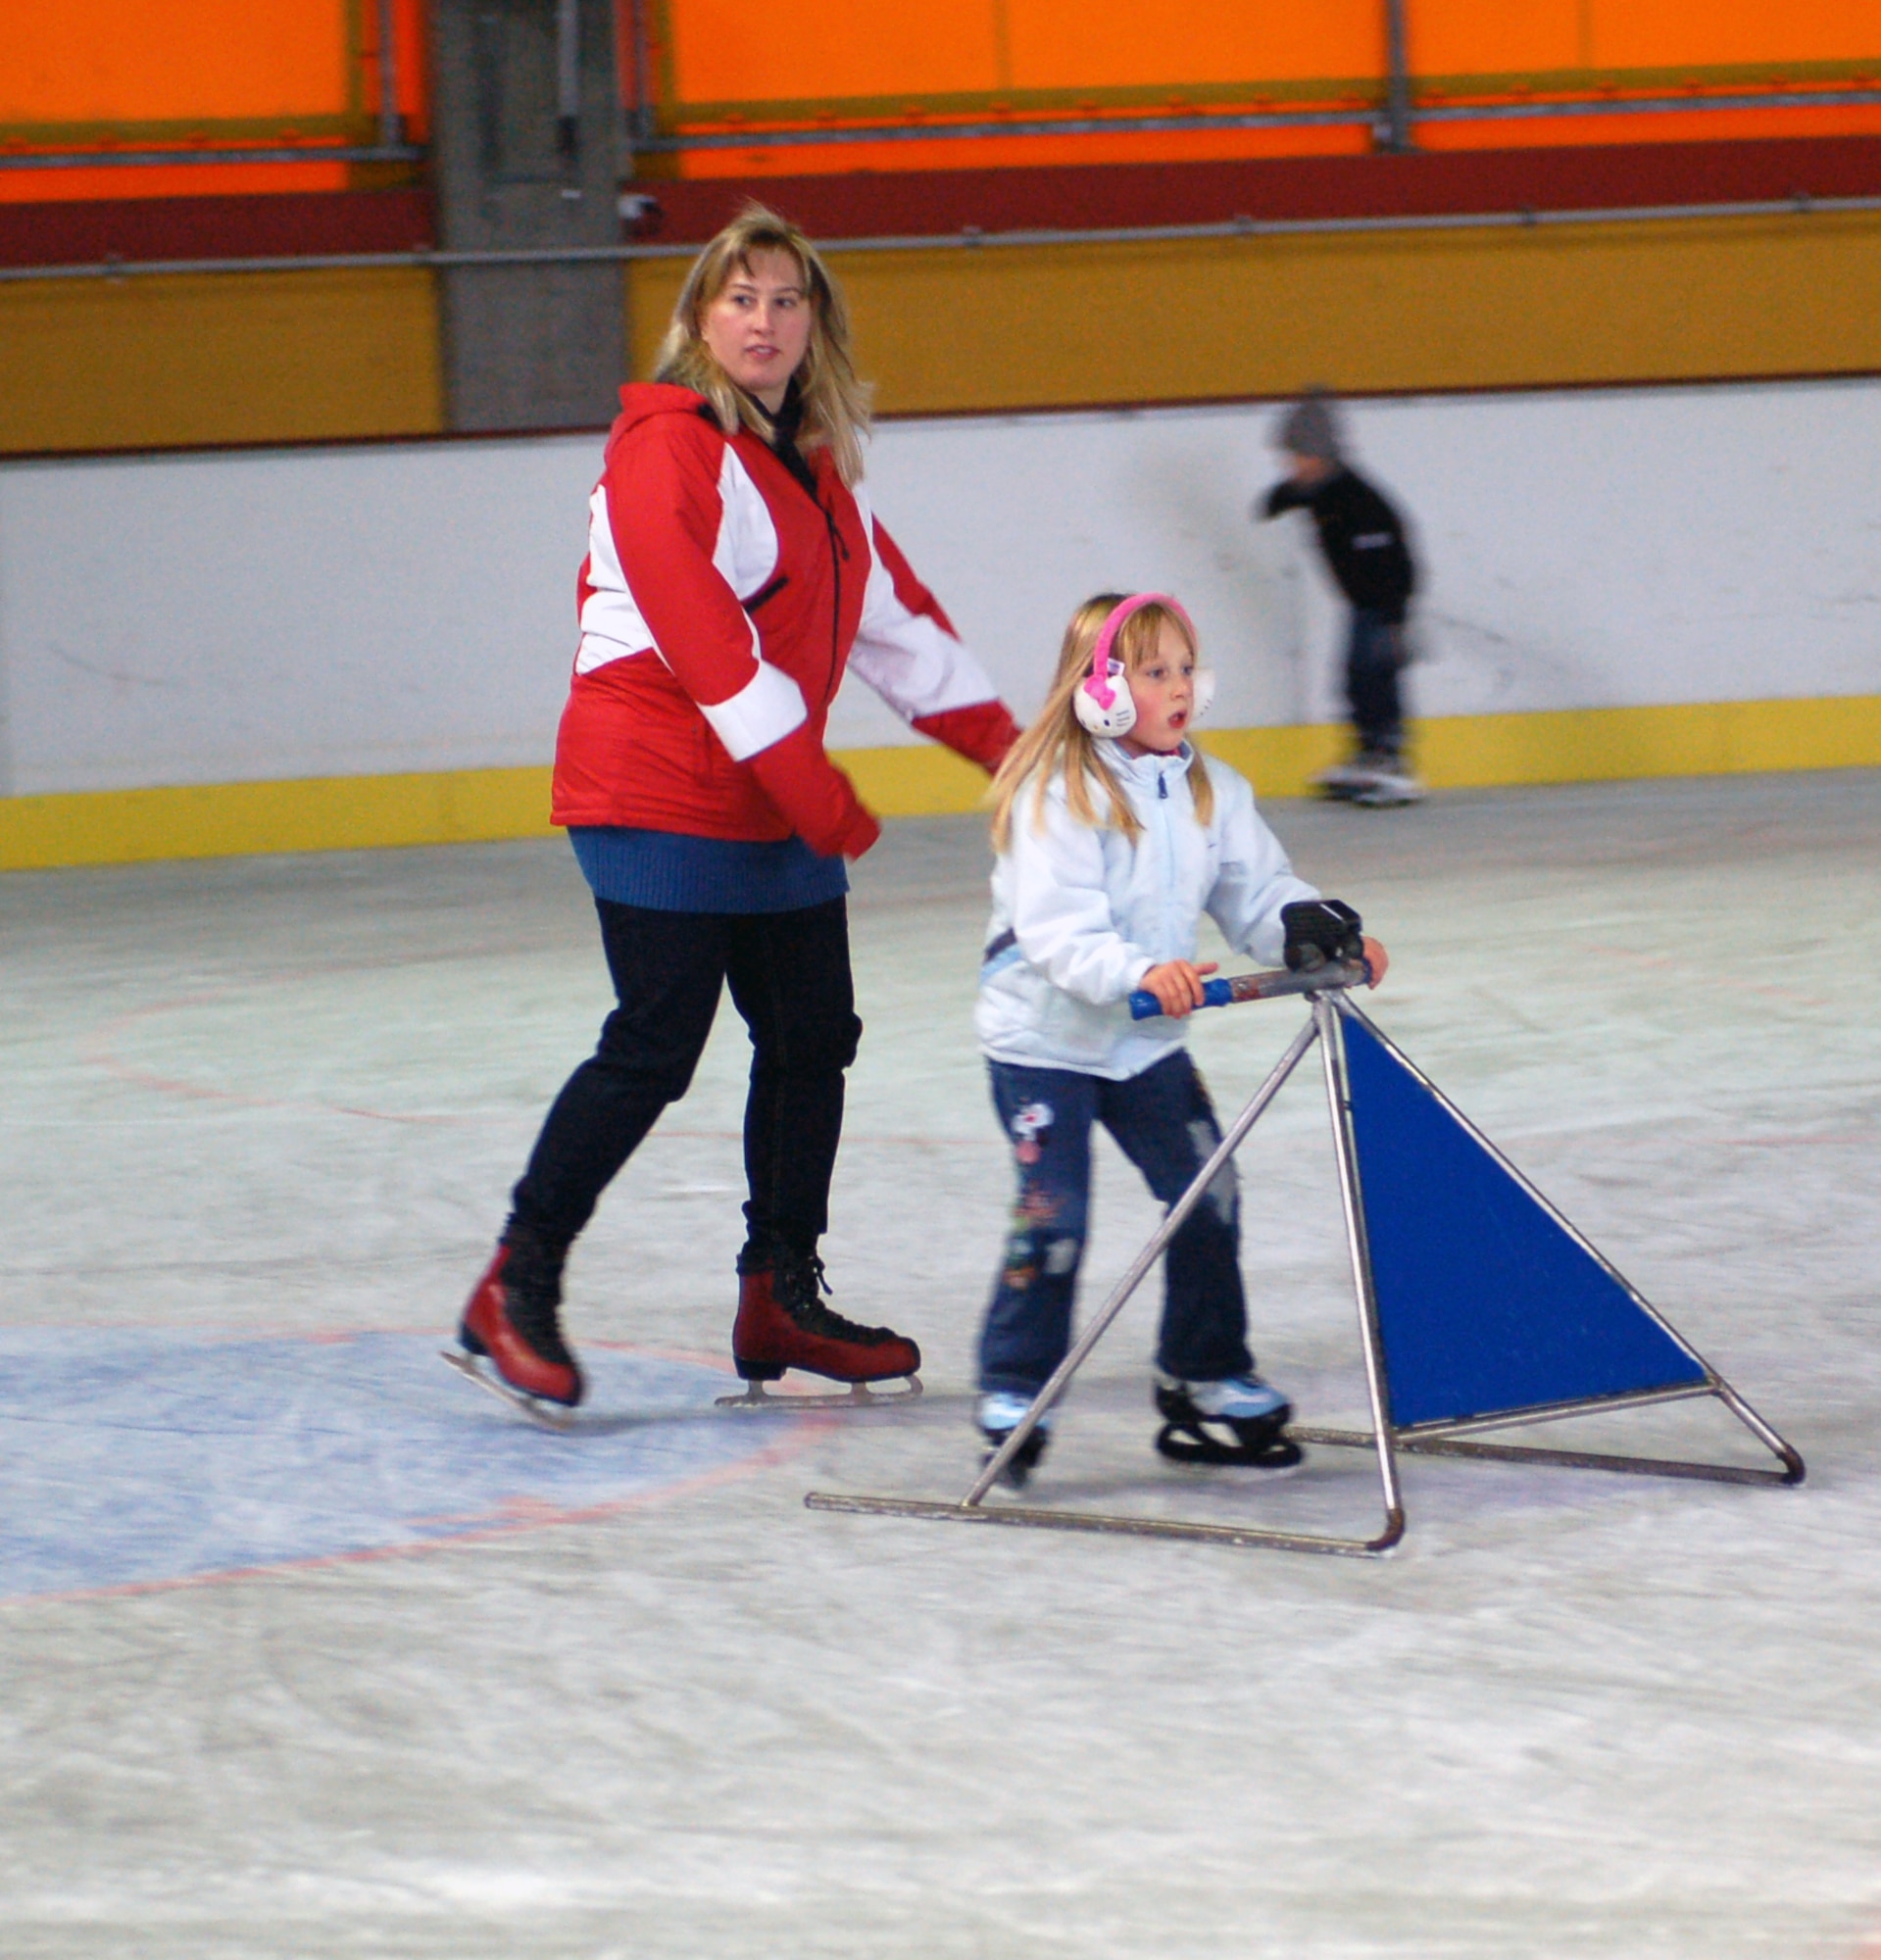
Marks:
<point>1452,37</point>
<point>133,62</point>
<point>1459,37</point>
<point>1116,44</point>
<point>1671,33</point>
<point>802,50</point>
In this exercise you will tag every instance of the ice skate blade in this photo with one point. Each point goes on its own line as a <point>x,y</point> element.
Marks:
<point>545,1415</point>
<point>1382,798</point>
<point>1277,1458</point>
<point>859,1394</point>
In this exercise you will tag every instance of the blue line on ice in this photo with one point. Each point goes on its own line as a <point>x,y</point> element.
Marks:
<point>152,1455</point>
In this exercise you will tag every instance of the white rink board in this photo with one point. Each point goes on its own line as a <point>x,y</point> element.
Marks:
<point>245,616</point>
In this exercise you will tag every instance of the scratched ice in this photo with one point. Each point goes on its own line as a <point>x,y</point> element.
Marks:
<point>436,1684</point>
<point>133,1455</point>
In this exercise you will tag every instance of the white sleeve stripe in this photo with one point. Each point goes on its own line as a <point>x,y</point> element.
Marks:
<point>918,670</point>
<point>760,714</point>
<point>908,658</point>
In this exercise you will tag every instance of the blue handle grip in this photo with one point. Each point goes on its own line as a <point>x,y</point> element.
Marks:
<point>1144,1006</point>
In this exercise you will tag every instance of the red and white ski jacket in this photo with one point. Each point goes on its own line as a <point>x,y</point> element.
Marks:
<point>720,606</point>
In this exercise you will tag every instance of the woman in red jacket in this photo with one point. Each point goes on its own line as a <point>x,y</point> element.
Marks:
<point>734,569</point>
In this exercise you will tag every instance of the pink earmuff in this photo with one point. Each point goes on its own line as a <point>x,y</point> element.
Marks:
<point>1102,699</point>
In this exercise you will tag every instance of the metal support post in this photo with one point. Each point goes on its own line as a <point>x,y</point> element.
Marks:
<point>1394,125</point>
<point>392,124</point>
<point>644,130</point>
<point>1332,1050</point>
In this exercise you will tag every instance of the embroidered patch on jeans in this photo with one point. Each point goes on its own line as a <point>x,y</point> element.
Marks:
<point>1224,1188</point>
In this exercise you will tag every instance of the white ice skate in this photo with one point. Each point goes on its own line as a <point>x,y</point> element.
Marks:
<point>1346,780</point>
<point>999,1412</point>
<point>1388,789</point>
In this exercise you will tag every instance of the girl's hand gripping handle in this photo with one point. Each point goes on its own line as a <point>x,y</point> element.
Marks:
<point>1146,1004</point>
<point>1177,987</point>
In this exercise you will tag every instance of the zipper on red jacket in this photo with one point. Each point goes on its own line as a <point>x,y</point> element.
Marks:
<point>794,463</point>
<point>838,558</point>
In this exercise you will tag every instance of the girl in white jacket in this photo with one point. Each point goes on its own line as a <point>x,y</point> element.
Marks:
<point>1112,838</point>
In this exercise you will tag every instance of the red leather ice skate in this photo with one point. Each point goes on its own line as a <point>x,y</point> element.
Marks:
<point>783,1323</point>
<point>518,1330</point>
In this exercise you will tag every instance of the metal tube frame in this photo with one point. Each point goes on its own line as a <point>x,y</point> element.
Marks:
<point>1322,1027</point>
<point>1395,117</point>
<point>1394,123</point>
<point>1382,113</point>
<point>969,240</point>
<point>1446,1438</point>
<point>392,123</point>
<point>1449,1438</point>
<point>644,123</point>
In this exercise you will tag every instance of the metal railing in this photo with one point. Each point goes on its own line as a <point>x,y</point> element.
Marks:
<point>971,239</point>
<point>1393,122</point>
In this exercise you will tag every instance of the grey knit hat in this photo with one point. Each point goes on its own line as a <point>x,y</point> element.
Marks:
<point>1309,428</point>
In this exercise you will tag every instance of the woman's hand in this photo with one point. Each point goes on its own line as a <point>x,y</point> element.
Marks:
<point>1178,985</point>
<point>1377,959</point>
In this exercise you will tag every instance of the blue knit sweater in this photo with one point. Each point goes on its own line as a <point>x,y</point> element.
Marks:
<point>665,871</point>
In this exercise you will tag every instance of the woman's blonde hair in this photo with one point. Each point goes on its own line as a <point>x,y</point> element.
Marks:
<point>1058,741</point>
<point>835,404</point>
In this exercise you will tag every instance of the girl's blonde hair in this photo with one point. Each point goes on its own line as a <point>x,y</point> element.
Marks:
<point>835,404</point>
<point>1059,743</point>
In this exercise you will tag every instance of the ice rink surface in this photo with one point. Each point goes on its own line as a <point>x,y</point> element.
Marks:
<point>310,1649</point>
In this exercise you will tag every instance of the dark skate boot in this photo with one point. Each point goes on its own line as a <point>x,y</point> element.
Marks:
<point>782,1323</point>
<point>1241,1421</point>
<point>511,1321</point>
<point>999,1412</point>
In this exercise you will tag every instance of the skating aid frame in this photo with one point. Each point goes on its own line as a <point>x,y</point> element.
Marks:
<point>1322,1027</point>
<point>1437,1439</point>
<point>1448,1438</point>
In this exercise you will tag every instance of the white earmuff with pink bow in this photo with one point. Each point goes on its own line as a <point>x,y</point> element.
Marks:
<point>1103,700</point>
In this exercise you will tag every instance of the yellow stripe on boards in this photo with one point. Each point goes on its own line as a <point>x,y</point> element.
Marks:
<point>242,820</point>
<point>920,780</point>
<point>476,806</point>
<point>1584,744</point>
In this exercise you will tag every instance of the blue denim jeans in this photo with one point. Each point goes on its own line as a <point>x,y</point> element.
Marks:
<point>1165,1124</point>
<point>1374,658</point>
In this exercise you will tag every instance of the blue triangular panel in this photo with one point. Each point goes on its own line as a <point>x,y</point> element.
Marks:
<point>1486,1303</point>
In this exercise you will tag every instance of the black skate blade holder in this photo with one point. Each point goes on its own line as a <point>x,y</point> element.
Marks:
<point>1326,989</point>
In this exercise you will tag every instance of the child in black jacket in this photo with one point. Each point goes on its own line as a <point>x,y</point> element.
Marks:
<point>1364,542</point>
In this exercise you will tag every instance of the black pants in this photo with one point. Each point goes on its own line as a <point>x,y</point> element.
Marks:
<point>1374,658</point>
<point>790,982</point>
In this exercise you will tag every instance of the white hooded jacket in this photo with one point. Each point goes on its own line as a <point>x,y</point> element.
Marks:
<point>1080,913</point>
